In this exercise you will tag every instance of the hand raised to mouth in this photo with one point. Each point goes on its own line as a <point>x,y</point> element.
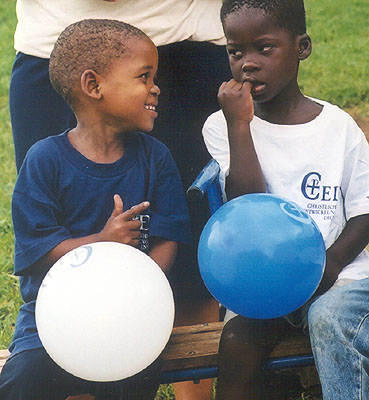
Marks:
<point>236,101</point>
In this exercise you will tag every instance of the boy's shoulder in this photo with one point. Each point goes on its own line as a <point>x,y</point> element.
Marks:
<point>153,148</point>
<point>335,119</point>
<point>331,110</point>
<point>331,113</point>
<point>45,149</point>
<point>47,145</point>
<point>145,139</point>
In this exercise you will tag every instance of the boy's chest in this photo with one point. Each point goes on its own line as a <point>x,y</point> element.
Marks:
<point>87,203</point>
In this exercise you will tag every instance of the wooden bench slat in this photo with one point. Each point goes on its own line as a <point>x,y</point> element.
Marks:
<point>197,346</point>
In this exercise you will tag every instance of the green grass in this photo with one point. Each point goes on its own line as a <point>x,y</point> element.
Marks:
<point>9,297</point>
<point>337,71</point>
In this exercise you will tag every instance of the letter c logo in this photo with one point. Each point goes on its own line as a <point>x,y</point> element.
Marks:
<point>310,186</point>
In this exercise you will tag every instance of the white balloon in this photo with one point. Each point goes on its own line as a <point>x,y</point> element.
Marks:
<point>104,311</point>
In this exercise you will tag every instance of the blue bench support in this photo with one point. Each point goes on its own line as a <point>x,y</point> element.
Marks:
<point>207,182</point>
<point>196,374</point>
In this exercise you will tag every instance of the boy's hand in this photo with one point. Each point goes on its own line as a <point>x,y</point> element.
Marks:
<point>330,275</point>
<point>350,243</point>
<point>236,101</point>
<point>121,227</point>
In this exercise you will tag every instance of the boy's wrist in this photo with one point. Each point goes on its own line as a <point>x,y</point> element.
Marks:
<point>238,127</point>
<point>98,237</point>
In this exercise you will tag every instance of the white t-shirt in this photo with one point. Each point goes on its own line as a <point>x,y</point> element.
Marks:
<point>165,21</point>
<point>322,165</point>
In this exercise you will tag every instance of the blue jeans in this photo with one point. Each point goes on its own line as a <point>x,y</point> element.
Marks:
<point>339,332</point>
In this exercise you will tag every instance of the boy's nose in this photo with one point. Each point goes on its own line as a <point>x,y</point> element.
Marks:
<point>155,90</point>
<point>249,66</point>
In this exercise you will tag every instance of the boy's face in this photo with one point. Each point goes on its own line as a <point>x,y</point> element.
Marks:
<point>261,52</point>
<point>129,93</point>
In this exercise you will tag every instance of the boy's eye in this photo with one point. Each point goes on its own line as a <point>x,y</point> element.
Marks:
<point>144,76</point>
<point>235,53</point>
<point>265,48</point>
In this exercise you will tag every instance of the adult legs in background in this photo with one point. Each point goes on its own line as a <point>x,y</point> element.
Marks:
<point>242,352</point>
<point>339,332</point>
<point>189,76</point>
<point>36,110</point>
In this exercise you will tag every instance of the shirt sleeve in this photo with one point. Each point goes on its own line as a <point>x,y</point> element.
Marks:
<point>355,179</point>
<point>169,213</point>
<point>35,210</point>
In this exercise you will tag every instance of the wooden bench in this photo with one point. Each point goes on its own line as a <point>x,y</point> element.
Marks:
<point>191,353</point>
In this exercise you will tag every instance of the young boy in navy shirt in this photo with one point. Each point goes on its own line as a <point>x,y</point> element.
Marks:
<point>269,137</point>
<point>87,185</point>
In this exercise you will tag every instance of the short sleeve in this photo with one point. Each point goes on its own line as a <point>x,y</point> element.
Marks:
<point>355,179</point>
<point>35,211</point>
<point>169,213</point>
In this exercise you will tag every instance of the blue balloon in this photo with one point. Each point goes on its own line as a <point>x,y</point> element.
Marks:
<point>261,256</point>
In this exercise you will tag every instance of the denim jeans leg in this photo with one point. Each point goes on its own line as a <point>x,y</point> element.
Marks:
<point>339,332</point>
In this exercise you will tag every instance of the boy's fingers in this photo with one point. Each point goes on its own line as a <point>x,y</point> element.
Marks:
<point>247,85</point>
<point>132,224</point>
<point>229,84</point>
<point>230,87</point>
<point>135,210</point>
<point>233,84</point>
<point>118,206</point>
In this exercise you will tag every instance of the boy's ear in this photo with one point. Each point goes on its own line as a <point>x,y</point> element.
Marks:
<point>90,81</point>
<point>304,46</point>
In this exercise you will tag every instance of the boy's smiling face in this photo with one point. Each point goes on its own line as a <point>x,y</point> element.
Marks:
<point>129,94</point>
<point>262,53</point>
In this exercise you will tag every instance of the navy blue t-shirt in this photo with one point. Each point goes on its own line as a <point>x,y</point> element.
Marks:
<point>60,194</point>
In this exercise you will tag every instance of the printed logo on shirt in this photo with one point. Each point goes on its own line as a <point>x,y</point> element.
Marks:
<point>323,198</point>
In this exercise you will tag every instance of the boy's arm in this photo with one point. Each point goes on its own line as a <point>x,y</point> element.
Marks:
<point>120,228</point>
<point>163,252</point>
<point>349,244</point>
<point>245,175</point>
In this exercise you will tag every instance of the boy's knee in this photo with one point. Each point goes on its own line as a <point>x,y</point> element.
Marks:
<point>242,333</point>
<point>233,335</point>
<point>22,377</point>
<point>333,313</point>
<point>322,312</point>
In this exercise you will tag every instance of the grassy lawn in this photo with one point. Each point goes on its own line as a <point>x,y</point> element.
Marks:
<point>337,71</point>
<point>9,298</point>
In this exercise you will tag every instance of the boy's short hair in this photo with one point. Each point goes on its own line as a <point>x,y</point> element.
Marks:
<point>88,44</point>
<point>289,14</point>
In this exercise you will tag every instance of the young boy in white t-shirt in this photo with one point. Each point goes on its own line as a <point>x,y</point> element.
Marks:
<point>269,137</point>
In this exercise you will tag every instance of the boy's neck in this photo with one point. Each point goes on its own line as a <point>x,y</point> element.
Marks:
<point>288,110</point>
<point>100,146</point>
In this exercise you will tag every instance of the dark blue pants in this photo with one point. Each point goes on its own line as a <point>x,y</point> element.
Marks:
<point>36,110</point>
<point>189,76</point>
<point>32,375</point>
